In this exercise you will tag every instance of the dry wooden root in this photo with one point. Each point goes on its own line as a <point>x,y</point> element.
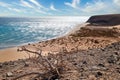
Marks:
<point>53,69</point>
<point>26,75</point>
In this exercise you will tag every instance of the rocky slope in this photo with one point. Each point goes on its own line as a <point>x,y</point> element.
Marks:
<point>105,20</point>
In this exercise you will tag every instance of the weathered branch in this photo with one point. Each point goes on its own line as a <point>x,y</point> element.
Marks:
<point>26,75</point>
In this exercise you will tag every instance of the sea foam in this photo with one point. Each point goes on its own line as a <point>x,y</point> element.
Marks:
<point>18,31</point>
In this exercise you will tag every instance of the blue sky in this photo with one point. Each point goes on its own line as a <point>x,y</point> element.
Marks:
<point>36,8</point>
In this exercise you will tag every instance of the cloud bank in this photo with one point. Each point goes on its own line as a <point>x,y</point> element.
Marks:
<point>61,7</point>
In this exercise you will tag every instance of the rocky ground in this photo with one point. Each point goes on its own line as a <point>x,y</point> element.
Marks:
<point>99,60</point>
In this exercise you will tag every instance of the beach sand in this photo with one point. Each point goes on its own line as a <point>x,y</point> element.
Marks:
<point>11,54</point>
<point>55,45</point>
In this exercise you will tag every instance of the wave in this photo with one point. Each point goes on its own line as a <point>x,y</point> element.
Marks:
<point>16,31</point>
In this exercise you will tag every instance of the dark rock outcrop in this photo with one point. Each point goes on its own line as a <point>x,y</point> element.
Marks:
<point>105,20</point>
<point>99,26</point>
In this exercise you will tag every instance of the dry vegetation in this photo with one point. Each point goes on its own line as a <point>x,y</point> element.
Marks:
<point>52,66</point>
<point>92,64</point>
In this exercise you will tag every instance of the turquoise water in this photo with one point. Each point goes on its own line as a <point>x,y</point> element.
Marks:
<point>19,31</point>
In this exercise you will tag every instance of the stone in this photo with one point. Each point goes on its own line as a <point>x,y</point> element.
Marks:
<point>19,71</point>
<point>96,41</point>
<point>74,63</point>
<point>110,60</point>
<point>101,65</point>
<point>84,62</point>
<point>1,66</point>
<point>9,74</point>
<point>98,74</point>
<point>92,77</point>
<point>101,79</point>
<point>95,67</point>
<point>105,20</point>
<point>26,65</point>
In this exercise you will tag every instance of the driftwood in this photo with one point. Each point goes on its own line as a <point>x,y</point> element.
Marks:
<point>53,69</point>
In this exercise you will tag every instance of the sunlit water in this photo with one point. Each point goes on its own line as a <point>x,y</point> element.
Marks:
<point>19,31</point>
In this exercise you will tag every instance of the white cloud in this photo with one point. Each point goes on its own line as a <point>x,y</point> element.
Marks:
<point>26,4</point>
<point>93,7</point>
<point>52,7</point>
<point>4,4</point>
<point>117,2</point>
<point>14,9</point>
<point>74,3</point>
<point>36,3</point>
<point>9,7</point>
<point>33,8</point>
<point>40,11</point>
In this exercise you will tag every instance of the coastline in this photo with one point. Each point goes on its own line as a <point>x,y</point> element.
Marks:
<point>55,46</point>
<point>90,51</point>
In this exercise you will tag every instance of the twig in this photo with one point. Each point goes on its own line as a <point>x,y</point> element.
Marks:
<point>39,54</point>
<point>26,75</point>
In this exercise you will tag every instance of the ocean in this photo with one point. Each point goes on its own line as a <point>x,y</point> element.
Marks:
<point>19,31</point>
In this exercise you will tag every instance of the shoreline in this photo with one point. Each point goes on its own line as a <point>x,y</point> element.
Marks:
<point>54,46</point>
<point>85,34</point>
<point>33,42</point>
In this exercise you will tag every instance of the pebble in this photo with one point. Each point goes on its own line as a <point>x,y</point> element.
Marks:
<point>92,77</point>
<point>95,67</point>
<point>1,66</point>
<point>101,65</point>
<point>84,62</point>
<point>26,65</point>
<point>98,74</point>
<point>19,71</point>
<point>96,41</point>
<point>9,74</point>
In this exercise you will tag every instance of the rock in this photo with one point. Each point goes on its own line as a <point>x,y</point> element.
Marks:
<point>101,79</point>
<point>98,74</point>
<point>9,74</point>
<point>95,67</point>
<point>5,63</point>
<point>4,79</point>
<point>116,53</point>
<point>75,64</point>
<point>92,77</point>
<point>92,55</point>
<point>112,59</point>
<point>101,65</point>
<point>28,43</point>
<point>26,64</point>
<point>1,66</point>
<point>118,69</point>
<point>19,71</point>
<point>105,20</point>
<point>96,41</point>
<point>84,62</point>
<point>33,44</point>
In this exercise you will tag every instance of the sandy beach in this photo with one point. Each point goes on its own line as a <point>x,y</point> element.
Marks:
<point>55,46</point>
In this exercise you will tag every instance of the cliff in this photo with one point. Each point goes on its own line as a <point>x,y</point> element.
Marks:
<point>105,20</point>
<point>99,26</point>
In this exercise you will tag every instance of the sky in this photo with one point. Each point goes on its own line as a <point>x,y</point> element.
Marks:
<point>37,8</point>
